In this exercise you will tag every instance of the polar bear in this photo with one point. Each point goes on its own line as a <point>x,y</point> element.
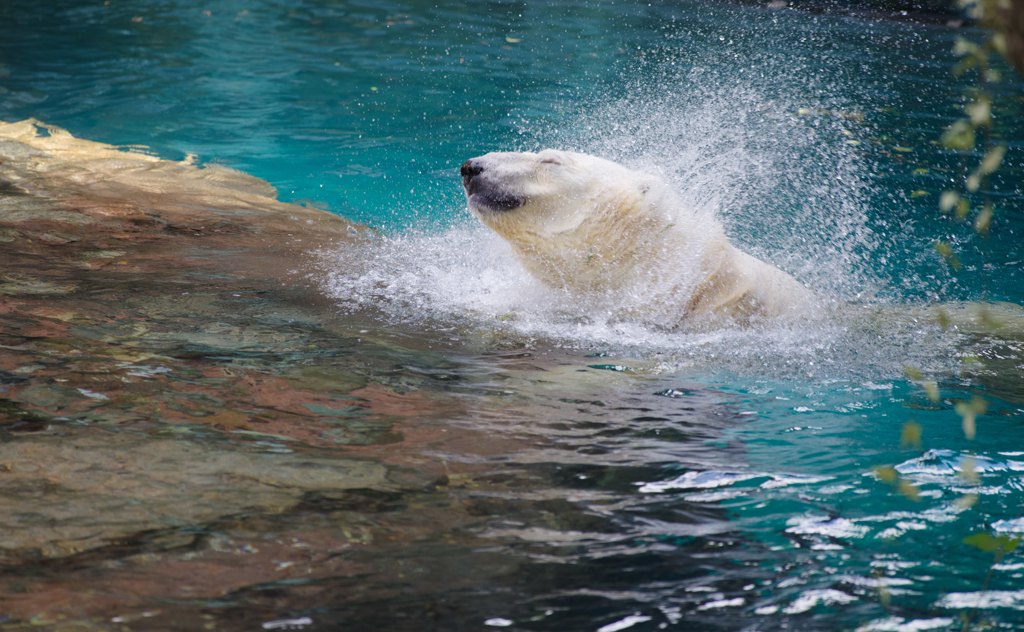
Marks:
<point>620,240</point>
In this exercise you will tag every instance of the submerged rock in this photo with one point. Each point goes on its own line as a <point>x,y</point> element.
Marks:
<point>67,495</point>
<point>50,395</point>
<point>320,379</point>
<point>142,299</point>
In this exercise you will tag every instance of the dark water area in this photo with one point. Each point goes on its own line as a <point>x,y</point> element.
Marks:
<point>321,397</point>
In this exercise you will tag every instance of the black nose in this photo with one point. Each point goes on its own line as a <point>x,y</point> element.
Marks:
<point>469,170</point>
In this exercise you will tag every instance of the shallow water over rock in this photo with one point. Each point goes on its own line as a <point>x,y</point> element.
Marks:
<point>177,398</point>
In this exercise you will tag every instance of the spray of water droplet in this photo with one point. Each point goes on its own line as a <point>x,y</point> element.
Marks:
<point>773,169</point>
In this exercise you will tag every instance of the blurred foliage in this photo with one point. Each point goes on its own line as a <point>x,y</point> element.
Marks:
<point>1005,21</point>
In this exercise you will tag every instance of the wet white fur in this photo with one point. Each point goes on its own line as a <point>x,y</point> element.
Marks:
<point>610,235</point>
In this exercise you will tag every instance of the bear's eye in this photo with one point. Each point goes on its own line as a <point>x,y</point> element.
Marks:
<point>551,161</point>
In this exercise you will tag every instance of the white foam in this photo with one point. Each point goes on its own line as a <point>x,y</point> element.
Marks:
<point>983,600</point>
<point>722,603</point>
<point>499,622</point>
<point>822,525</point>
<point>1009,526</point>
<point>469,276</point>
<point>697,480</point>
<point>622,624</point>
<point>811,598</point>
<point>899,624</point>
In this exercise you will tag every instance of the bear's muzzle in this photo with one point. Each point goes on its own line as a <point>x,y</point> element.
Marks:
<point>483,193</point>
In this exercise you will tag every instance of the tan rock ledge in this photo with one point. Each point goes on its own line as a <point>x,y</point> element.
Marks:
<point>102,206</point>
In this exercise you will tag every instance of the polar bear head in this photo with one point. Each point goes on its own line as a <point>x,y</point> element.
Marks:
<point>575,221</point>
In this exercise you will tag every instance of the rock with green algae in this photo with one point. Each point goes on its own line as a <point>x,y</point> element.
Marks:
<point>50,395</point>
<point>321,379</point>
<point>13,284</point>
<point>7,235</point>
<point>65,495</point>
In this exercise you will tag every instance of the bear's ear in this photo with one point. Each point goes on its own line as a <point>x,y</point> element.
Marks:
<point>644,188</point>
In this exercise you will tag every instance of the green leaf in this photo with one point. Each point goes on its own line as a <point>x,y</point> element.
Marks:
<point>982,541</point>
<point>912,372</point>
<point>959,136</point>
<point>980,111</point>
<point>965,65</point>
<point>962,208</point>
<point>985,542</point>
<point>981,223</point>
<point>919,193</point>
<point>963,47</point>
<point>972,182</point>
<point>886,473</point>
<point>969,412</point>
<point>909,490</point>
<point>979,405</point>
<point>992,159</point>
<point>911,435</point>
<point>998,43</point>
<point>946,251</point>
<point>968,472</point>
<point>948,200</point>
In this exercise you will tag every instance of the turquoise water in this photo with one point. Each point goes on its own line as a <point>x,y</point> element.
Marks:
<point>726,480</point>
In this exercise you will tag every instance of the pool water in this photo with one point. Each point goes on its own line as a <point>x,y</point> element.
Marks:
<point>527,466</point>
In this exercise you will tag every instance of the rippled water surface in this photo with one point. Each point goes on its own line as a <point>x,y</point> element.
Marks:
<point>210,421</point>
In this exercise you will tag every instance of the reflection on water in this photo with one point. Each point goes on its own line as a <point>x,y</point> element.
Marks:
<point>223,411</point>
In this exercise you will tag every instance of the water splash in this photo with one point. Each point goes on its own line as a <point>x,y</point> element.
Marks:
<point>775,168</point>
<point>468,278</point>
<point>784,184</point>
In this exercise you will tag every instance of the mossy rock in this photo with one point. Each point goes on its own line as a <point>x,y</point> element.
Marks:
<point>321,379</point>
